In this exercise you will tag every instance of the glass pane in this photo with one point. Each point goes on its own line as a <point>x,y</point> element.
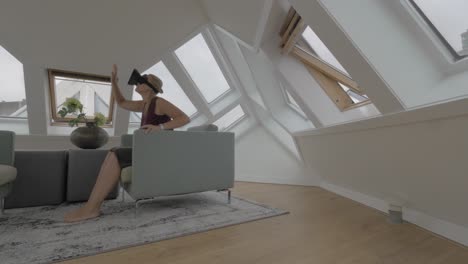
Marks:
<point>321,50</point>
<point>291,100</point>
<point>94,95</point>
<point>357,98</point>
<point>135,117</point>
<point>12,92</point>
<point>203,68</point>
<point>172,90</point>
<point>230,118</point>
<point>451,20</point>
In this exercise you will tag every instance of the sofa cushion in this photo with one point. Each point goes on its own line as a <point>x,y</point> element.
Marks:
<point>126,175</point>
<point>41,179</point>
<point>7,174</point>
<point>209,127</point>
<point>84,166</point>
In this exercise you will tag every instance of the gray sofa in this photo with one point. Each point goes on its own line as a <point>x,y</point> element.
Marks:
<point>178,162</point>
<point>190,161</point>
<point>41,179</point>
<point>54,177</point>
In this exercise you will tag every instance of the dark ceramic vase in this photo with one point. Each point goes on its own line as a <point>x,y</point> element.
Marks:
<point>89,137</point>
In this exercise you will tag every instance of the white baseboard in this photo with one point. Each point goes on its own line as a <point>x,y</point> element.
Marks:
<point>443,228</point>
<point>286,181</point>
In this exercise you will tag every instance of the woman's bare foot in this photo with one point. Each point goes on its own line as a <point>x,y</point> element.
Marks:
<point>81,214</point>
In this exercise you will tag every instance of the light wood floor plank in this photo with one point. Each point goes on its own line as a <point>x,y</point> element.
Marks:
<point>321,228</point>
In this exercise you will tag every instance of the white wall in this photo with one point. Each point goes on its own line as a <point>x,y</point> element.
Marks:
<point>262,93</point>
<point>260,158</point>
<point>417,156</point>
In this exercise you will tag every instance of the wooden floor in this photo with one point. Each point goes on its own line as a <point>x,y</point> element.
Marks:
<point>321,228</point>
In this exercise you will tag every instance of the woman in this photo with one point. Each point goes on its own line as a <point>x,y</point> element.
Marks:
<point>158,114</point>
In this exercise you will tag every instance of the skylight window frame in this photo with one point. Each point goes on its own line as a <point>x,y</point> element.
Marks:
<point>235,123</point>
<point>220,60</point>
<point>317,56</point>
<point>290,104</point>
<point>327,76</point>
<point>434,34</point>
<point>55,119</point>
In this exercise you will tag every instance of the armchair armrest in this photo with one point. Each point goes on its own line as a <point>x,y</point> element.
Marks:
<point>178,162</point>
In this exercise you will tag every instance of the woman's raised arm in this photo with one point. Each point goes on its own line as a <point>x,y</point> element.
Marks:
<point>135,106</point>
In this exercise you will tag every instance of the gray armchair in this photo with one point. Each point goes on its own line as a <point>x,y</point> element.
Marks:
<point>7,171</point>
<point>178,162</point>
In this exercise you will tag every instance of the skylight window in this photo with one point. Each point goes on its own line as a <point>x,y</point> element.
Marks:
<point>321,50</point>
<point>197,59</point>
<point>93,91</point>
<point>172,91</point>
<point>12,92</point>
<point>356,97</point>
<point>449,21</point>
<point>230,119</point>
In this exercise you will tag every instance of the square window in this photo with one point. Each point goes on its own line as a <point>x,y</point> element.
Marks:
<point>201,65</point>
<point>93,91</point>
<point>230,118</point>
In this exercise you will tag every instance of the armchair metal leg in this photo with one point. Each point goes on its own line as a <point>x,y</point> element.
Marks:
<point>123,194</point>
<point>228,193</point>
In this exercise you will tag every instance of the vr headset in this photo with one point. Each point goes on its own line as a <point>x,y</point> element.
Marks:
<point>136,78</point>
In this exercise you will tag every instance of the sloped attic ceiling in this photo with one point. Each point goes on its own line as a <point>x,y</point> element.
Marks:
<point>244,19</point>
<point>89,36</point>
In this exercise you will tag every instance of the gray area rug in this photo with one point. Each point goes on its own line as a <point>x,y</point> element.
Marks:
<point>39,235</point>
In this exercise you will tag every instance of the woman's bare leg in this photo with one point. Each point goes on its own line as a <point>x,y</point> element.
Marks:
<point>105,182</point>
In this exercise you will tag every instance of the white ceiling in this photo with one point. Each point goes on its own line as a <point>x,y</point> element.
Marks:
<point>245,19</point>
<point>89,36</point>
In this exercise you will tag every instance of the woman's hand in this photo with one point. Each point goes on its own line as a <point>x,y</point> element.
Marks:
<point>114,78</point>
<point>150,128</point>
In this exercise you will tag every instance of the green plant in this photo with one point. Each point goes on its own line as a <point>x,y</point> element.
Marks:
<point>75,107</point>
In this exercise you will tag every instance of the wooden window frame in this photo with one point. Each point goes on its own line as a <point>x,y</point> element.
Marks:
<point>325,74</point>
<point>55,119</point>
